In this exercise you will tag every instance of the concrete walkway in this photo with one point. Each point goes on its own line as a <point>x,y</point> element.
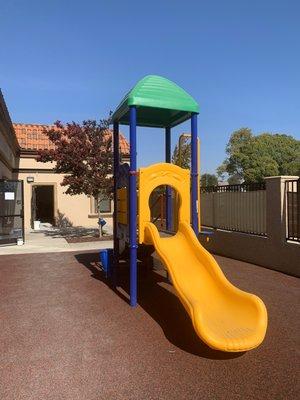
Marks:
<point>41,242</point>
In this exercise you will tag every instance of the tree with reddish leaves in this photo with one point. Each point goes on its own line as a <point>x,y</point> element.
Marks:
<point>83,153</point>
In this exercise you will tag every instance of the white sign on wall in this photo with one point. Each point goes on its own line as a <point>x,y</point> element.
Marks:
<point>9,195</point>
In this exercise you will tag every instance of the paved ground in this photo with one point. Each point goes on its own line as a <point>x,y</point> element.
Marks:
<point>45,242</point>
<point>66,335</point>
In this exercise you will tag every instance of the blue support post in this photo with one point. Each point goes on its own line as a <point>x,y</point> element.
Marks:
<point>168,189</point>
<point>115,221</point>
<point>133,209</point>
<point>194,173</point>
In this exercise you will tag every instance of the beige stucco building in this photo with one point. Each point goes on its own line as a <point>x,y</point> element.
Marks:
<point>9,147</point>
<point>44,197</point>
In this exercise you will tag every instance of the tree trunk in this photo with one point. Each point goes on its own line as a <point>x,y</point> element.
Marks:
<point>99,215</point>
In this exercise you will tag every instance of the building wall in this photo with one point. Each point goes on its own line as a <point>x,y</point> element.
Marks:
<point>5,172</point>
<point>77,209</point>
<point>7,156</point>
<point>8,143</point>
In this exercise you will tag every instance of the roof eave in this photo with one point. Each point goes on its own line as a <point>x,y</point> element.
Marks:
<point>120,113</point>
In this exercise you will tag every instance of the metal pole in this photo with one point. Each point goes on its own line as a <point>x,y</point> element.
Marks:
<point>194,173</point>
<point>180,144</point>
<point>133,209</point>
<point>298,210</point>
<point>115,215</point>
<point>199,186</point>
<point>22,212</point>
<point>168,189</point>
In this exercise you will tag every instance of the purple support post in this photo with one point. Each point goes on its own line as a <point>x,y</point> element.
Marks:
<point>168,189</point>
<point>133,208</point>
<point>194,174</point>
<point>116,174</point>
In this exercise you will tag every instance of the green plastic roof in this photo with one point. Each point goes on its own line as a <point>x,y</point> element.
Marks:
<point>159,101</point>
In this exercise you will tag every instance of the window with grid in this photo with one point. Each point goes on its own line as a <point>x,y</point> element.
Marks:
<point>105,204</point>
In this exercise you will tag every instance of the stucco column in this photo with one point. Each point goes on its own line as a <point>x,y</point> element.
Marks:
<point>276,207</point>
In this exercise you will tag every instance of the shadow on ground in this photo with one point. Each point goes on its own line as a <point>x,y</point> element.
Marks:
<point>72,231</point>
<point>156,297</point>
<point>74,234</point>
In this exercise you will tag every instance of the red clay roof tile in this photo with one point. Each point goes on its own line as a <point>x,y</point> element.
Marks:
<point>32,137</point>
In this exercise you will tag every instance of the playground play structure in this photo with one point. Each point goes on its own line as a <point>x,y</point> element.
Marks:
<point>224,317</point>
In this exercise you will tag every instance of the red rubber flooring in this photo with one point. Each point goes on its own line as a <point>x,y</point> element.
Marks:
<point>66,335</point>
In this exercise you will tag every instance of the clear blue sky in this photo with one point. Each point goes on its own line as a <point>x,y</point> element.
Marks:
<point>74,60</point>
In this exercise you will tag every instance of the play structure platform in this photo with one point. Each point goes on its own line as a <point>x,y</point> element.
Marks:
<point>224,317</point>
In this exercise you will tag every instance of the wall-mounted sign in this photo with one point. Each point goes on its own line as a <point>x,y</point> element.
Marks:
<point>9,195</point>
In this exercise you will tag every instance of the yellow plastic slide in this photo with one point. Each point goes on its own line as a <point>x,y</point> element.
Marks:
<point>224,317</point>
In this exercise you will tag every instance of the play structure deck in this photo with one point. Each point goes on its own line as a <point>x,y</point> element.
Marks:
<point>224,317</point>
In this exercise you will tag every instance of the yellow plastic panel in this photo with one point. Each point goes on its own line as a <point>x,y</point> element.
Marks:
<point>224,317</point>
<point>122,206</point>
<point>122,194</point>
<point>157,175</point>
<point>122,218</point>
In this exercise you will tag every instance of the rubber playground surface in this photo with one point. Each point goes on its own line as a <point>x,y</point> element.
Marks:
<point>65,334</point>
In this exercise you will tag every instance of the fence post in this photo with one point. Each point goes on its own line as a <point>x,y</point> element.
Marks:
<point>298,208</point>
<point>276,215</point>
<point>214,206</point>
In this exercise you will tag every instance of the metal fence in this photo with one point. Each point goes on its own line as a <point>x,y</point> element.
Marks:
<point>240,208</point>
<point>11,211</point>
<point>158,209</point>
<point>292,190</point>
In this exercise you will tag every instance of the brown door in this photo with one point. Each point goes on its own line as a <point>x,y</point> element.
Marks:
<point>44,203</point>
